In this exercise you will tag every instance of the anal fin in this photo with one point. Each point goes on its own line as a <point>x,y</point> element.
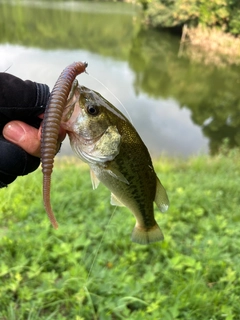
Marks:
<point>115,201</point>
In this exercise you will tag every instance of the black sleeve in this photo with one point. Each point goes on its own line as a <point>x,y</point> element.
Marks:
<point>19,100</point>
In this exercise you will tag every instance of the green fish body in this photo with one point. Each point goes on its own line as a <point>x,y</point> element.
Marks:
<point>105,139</point>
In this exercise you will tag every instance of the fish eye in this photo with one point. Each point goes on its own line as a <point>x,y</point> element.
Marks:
<point>93,110</point>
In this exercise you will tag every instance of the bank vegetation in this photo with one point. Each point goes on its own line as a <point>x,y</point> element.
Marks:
<point>210,46</point>
<point>211,27</point>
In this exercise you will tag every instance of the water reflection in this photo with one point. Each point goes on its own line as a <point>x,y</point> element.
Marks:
<point>177,106</point>
<point>212,94</point>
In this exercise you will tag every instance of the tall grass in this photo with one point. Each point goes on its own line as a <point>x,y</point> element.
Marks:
<point>211,46</point>
<point>89,269</point>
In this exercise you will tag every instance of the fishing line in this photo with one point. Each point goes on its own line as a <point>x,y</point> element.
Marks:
<point>8,68</point>
<point>127,113</point>
<point>98,249</point>
<point>113,212</point>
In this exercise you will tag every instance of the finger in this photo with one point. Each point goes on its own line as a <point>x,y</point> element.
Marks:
<point>23,135</point>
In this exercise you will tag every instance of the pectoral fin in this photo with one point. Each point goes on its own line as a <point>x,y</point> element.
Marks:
<point>161,198</point>
<point>94,179</point>
<point>115,201</point>
<point>114,172</point>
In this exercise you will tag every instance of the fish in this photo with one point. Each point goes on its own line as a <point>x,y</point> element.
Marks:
<point>107,141</point>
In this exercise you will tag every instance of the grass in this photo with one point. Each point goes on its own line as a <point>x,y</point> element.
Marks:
<point>89,269</point>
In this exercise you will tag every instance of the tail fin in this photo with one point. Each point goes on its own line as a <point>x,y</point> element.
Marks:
<point>145,236</point>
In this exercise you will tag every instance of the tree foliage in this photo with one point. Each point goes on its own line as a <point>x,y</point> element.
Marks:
<point>50,28</point>
<point>216,13</point>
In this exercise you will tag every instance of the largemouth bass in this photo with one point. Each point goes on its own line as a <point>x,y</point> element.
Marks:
<point>105,139</point>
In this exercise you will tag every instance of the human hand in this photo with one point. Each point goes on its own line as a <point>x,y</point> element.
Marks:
<point>22,104</point>
<point>27,137</point>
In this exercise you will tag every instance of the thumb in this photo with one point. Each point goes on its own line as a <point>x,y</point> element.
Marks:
<point>23,135</point>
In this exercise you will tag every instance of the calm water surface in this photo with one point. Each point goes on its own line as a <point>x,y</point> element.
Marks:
<point>179,108</point>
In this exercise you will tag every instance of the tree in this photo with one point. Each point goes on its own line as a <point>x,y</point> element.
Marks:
<point>223,14</point>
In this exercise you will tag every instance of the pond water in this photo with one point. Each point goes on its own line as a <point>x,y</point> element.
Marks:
<point>180,108</point>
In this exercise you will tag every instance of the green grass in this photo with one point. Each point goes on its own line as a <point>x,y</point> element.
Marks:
<point>89,269</point>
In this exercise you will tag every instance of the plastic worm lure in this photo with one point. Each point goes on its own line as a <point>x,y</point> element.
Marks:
<point>51,125</point>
